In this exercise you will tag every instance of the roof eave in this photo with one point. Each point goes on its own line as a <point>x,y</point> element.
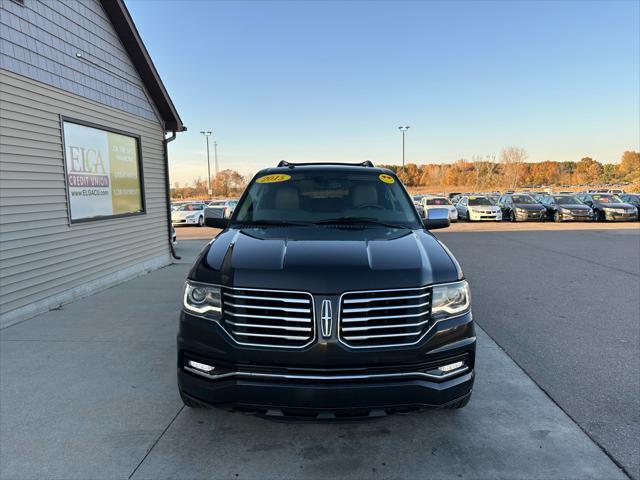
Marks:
<point>123,24</point>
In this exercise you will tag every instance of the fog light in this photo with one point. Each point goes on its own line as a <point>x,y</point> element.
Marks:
<point>202,367</point>
<point>451,366</point>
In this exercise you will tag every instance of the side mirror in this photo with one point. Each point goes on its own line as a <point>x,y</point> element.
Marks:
<point>437,218</point>
<point>214,222</point>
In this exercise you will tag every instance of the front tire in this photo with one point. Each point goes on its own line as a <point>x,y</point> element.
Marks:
<point>598,216</point>
<point>556,217</point>
<point>512,216</point>
<point>200,221</point>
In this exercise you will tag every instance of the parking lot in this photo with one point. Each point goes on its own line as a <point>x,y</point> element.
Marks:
<point>88,391</point>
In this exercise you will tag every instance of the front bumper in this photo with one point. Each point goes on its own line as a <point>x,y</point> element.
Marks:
<point>575,217</point>
<point>530,216</point>
<point>620,217</point>
<point>184,221</point>
<point>485,216</point>
<point>326,376</point>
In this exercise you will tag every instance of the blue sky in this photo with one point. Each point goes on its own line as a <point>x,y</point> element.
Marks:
<point>332,81</point>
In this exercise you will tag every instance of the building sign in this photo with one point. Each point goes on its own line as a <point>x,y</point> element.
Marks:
<point>103,172</point>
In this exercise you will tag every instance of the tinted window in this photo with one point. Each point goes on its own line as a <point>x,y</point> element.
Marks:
<point>477,201</point>
<point>525,199</point>
<point>321,196</point>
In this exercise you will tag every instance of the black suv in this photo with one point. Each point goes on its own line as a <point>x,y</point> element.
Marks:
<point>326,296</point>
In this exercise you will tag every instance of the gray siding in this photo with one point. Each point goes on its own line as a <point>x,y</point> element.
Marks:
<point>41,255</point>
<point>41,39</point>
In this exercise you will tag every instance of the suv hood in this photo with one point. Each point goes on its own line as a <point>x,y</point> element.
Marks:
<point>345,261</point>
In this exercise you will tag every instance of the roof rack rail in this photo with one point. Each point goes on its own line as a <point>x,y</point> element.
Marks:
<point>366,163</point>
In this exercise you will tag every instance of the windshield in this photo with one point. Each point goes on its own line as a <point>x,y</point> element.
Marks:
<point>523,199</point>
<point>566,200</point>
<point>327,196</point>
<point>477,201</point>
<point>438,201</point>
<point>606,198</point>
<point>189,207</point>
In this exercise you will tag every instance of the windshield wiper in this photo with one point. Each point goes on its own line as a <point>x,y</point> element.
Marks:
<point>355,221</point>
<point>279,223</point>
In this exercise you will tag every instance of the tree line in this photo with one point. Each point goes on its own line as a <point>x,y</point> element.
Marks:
<point>509,170</point>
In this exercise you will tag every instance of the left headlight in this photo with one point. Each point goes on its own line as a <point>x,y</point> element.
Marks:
<point>202,299</point>
<point>450,300</point>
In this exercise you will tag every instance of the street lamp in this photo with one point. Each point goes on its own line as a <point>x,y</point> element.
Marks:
<point>403,129</point>
<point>207,134</point>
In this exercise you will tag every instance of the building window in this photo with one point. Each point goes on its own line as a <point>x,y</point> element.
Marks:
<point>103,169</point>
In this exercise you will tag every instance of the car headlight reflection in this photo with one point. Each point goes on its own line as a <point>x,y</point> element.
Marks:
<point>202,299</point>
<point>450,300</point>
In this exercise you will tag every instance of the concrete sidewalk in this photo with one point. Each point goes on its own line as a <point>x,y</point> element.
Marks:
<point>89,391</point>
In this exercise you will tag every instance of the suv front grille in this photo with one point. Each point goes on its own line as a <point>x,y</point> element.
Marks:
<point>384,318</point>
<point>268,318</point>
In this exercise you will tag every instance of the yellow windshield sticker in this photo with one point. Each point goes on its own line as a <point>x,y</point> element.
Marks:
<point>274,178</point>
<point>472,198</point>
<point>386,178</point>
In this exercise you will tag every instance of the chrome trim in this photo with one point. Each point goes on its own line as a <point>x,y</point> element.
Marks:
<point>380,299</point>
<point>273,299</point>
<point>390,307</point>
<point>270,317</point>
<point>268,335</point>
<point>264,307</point>
<point>384,317</point>
<point>390,335</point>
<point>398,345</point>
<point>275,327</point>
<point>290,376</point>
<point>217,322</point>
<point>378,327</point>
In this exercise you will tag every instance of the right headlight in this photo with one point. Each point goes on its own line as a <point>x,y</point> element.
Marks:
<point>450,300</point>
<point>202,299</point>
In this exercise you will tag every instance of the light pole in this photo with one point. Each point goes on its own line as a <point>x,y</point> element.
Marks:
<point>215,157</point>
<point>207,134</point>
<point>403,129</point>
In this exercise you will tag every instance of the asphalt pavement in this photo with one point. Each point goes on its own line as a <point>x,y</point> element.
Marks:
<point>89,391</point>
<point>565,305</point>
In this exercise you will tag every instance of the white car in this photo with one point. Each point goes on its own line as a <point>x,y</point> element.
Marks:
<point>221,208</point>
<point>429,202</point>
<point>188,214</point>
<point>478,208</point>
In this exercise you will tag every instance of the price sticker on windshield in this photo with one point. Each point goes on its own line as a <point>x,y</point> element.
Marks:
<point>274,178</point>
<point>386,178</point>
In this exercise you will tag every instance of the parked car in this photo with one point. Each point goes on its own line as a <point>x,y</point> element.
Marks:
<point>429,202</point>
<point>521,207</point>
<point>475,208</point>
<point>632,199</point>
<point>326,295</point>
<point>609,207</point>
<point>566,207</point>
<point>222,208</point>
<point>417,202</point>
<point>188,214</point>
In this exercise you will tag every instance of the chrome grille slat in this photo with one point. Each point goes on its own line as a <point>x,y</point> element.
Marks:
<point>379,327</point>
<point>388,307</point>
<point>275,327</point>
<point>269,307</point>
<point>268,318</point>
<point>380,299</point>
<point>384,318</point>
<point>253,297</point>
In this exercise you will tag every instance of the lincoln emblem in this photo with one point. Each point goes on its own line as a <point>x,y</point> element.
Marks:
<point>326,318</point>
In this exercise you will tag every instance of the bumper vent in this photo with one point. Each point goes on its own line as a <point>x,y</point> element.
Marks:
<point>388,318</point>
<point>268,318</point>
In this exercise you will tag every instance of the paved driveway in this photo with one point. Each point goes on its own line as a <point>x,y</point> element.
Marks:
<point>89,391</point>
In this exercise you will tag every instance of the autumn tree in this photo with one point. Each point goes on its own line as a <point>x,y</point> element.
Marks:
<point>512,159</point>
<point>629,168</point>
<point>228,183</point>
